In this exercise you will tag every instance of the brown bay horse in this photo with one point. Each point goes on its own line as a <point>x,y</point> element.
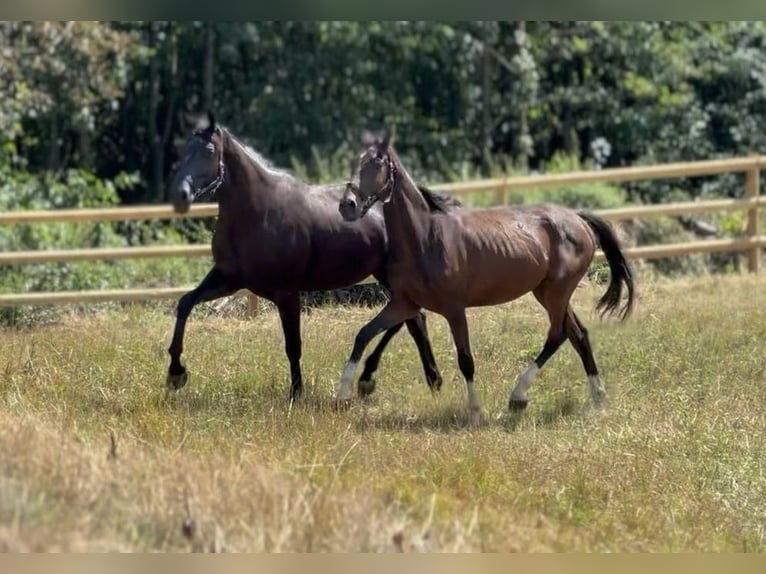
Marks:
<point>276,236</point>
<point>446,259</point>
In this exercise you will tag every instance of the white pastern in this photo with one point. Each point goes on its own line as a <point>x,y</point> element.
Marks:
<point>597,389</point>
<point>344,387</point>
<point>474,405</point>
<point>519,392</point>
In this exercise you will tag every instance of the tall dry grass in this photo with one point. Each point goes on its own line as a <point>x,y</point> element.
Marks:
<point>95,456</point>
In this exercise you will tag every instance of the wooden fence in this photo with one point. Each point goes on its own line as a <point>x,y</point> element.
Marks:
<point>751,243</point>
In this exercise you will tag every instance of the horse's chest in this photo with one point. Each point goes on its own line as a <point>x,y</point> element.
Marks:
<point>242,251</point>
<point>420,275</point>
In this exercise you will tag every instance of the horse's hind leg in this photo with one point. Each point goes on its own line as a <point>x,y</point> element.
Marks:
<point>578,336</point>
<point>213,286</point>
<point>555,300</point>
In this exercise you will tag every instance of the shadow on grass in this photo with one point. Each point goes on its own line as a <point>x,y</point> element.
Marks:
<point>444,419</point>
<point>454,418</point>
<point>369,415</point>
<point>564,407</point>
<point>257,398</point>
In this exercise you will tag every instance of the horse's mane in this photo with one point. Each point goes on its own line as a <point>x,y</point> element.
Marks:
<point>257,158</point>
<point>437,202</point>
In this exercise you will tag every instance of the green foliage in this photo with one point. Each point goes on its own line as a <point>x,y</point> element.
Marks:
<point>459,93</point>
<point>584,196</point>
<point>81,189</point>
<point>87,102</point>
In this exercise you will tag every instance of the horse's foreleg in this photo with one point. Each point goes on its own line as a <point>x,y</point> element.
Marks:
<point>392,315</point>
<point>213,286</point>
<point>459,326</point>
<point>417,328</point>
<point>366,384</point>
<point>289,307</point>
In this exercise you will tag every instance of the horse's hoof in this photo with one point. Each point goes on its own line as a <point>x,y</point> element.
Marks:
<point>342,405</point>
<point>177,381</point>
<point>474,419</point>
<point>597,407</point>
<point>365,388</point>
<point>516,405</point>
<point>435,384</point>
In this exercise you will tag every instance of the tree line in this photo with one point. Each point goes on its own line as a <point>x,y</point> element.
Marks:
<point>115,99</point>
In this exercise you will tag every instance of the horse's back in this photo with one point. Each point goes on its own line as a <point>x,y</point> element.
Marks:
<point>298,241</point>
<point>498,254</point>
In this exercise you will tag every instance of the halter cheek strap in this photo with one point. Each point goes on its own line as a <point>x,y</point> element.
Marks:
<point>387,187</point>
<point>213,185</point>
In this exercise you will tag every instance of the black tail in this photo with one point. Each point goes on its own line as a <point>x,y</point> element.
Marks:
<point>618,266</point>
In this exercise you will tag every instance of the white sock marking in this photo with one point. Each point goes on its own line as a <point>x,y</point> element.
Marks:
<point>519,392</point>
<point>474,405</point>
<point>597,389</point>
<point>344,387</point>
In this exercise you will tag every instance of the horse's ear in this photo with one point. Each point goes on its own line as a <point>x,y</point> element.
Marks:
<point>211,121</point>
<point>368,138</point>
<point>388,139</point>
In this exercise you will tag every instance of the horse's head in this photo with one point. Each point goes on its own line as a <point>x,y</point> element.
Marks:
<point>373,181</point>
<point>201,170</point>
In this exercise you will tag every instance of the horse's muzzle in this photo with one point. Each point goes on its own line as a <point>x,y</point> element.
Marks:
<point>348,207</point>
<point>182,198</point>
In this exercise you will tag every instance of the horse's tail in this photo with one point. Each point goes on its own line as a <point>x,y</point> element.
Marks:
<point>618,266</point>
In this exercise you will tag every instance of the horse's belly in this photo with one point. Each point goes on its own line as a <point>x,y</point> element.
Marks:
<point>342,265</point>
<point>325,261</point>
<point>498,282</point>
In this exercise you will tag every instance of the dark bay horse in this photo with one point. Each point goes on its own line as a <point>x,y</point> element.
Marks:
<point>276,236</point>
<point>446,259</point>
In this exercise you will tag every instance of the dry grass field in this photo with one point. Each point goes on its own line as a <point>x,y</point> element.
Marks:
<point>94,456</point>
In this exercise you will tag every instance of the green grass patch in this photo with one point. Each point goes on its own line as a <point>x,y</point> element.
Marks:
<point>673,463</point>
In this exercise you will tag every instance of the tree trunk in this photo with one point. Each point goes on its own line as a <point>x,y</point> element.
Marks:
<point>523,143</point>
<point>84,148</point>
<point>486,121</point>
<point>156,162</point>
<point>171,91</point>
<point>54,145</point>
<point>208,67</point>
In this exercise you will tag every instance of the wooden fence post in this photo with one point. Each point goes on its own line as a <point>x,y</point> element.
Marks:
<point>253,305</point>
<point>752,185</point>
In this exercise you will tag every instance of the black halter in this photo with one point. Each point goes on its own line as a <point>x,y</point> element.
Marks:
<point>386,187</point>
<point>213,186</point>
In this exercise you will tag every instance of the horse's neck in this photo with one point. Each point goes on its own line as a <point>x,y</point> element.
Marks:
<point>407,214</point>
<point>247,183</point>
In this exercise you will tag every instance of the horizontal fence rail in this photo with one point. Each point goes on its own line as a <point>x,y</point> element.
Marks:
<point>137,212</point>
<point>613,175</point>
<point>752,244</point>
<point>102,254</point>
